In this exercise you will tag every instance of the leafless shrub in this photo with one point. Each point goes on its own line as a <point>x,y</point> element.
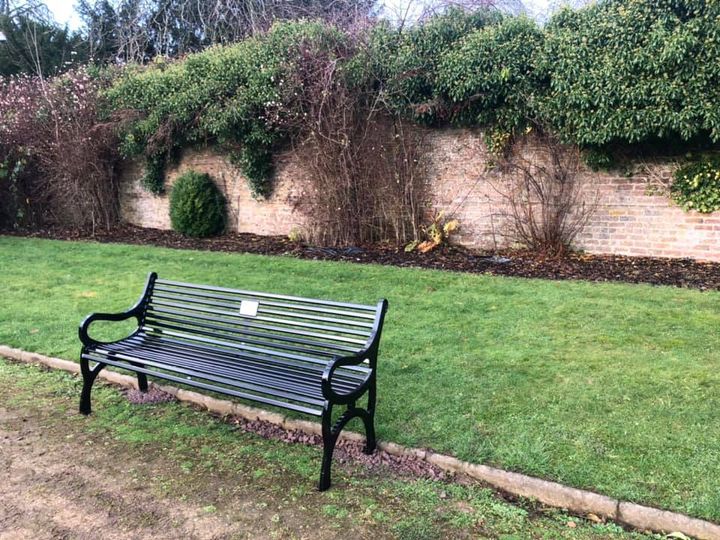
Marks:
<point>365,191</point>
<point>56,157</point>
<point>364,167</point>
<point>548,201</point>
<point>79,184</point>
<point>138,30</point>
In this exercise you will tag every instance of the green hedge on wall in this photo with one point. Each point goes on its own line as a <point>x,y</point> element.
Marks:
<point>411,61</point>
<point>235,95</point>
<point>615,72</point>
<point>634,70</point>
<point>490,77</point>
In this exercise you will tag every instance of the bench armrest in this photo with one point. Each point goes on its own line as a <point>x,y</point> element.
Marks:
<point>83,329</point>
<point>370,353</point>
<point>339,361</point>
<point>136,311</point>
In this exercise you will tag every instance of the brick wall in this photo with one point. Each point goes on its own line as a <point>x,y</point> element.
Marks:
<point>633,217</point>
<point>245,214</point>
<point>632,221</point>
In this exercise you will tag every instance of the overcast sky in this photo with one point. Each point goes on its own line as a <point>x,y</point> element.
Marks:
<point>64,10</point>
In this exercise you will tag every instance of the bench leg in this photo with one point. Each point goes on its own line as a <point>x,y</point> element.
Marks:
<point>329,439</point>
<point>330,434</point>
<point>141,378</point>
<point>89,376</point>
<point>369,420</point>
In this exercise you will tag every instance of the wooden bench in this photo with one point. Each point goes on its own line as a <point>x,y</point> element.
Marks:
<point>301,354</point>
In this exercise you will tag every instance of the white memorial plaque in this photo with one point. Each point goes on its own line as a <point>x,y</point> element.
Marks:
<point>249,308</point>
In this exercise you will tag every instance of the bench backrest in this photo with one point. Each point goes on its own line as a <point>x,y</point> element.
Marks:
<point>297,328</point>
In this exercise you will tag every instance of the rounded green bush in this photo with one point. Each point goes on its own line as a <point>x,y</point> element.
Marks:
<point>197,208</point>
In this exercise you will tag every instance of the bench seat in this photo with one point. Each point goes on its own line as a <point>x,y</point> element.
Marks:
<point>254,374</point>
<point>300,354</point>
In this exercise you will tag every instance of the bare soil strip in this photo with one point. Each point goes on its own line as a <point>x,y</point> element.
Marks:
<point>62,483</point>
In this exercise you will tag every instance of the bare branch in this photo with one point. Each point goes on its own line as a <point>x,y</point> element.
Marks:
<point>548,200</point>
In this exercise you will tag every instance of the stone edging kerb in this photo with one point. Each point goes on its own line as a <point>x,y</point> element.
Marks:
<point>549,493</point>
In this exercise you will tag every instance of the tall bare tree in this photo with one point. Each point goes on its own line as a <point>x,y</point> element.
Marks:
<point>137,30</point>
<point>34,43</point>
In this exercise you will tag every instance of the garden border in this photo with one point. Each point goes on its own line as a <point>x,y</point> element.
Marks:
<point>549,493</point>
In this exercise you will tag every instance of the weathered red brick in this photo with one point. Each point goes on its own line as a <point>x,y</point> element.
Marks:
<point>628,219</point>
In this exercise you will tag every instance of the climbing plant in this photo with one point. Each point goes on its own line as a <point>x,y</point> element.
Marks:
<point>228,95</point>
<point>696,185</point>
<point>634,71</point>
<point>490,77</point>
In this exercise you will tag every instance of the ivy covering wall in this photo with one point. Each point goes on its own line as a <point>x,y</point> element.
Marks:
<point>633,71</point>
<point>237,96</point>
<point>618,71</point>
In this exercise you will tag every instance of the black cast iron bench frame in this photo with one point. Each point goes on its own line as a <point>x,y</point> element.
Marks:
<point>301,354</point>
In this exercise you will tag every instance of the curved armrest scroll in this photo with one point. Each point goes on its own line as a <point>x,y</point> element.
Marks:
<point>339,361</point>
<point>83,330</point>
<point>136,311</point>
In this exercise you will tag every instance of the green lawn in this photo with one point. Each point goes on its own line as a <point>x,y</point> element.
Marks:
<point>609,387</point>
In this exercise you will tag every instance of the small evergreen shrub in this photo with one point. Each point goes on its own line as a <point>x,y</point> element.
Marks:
<point>696,185</point>
<point>197,208</point>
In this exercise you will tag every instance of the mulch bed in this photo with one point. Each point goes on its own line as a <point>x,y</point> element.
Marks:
<point>657,271</point>
<point>152,397</point>
<point>347,451</point>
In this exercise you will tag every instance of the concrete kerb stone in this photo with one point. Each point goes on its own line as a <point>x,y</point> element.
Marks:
<point>118,379</point>
<point>544,491</point>
<point>549,493</point>
<point>311,428</point>
<point>172,390</point>
<point>645,518</point>
<point>390,448</point>
<point>34,358</point>
<point>56,363</point>
<point>447,463</point>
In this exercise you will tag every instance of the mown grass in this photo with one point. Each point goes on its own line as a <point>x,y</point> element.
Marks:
<point>206,461</point>
<point>609,387</point>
